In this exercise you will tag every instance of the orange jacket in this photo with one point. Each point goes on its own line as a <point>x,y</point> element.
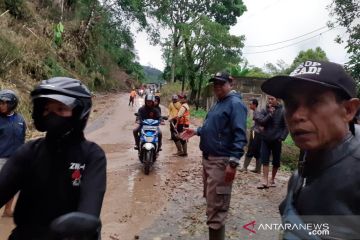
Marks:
<point>184,114</point>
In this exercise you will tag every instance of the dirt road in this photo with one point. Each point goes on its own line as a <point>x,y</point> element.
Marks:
<point>167,204</point>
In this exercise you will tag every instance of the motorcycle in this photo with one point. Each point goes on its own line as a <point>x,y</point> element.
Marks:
<point>149,143</point>
<point>76,226</point>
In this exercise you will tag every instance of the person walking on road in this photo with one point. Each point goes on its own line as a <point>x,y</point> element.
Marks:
<point>274,133</point>
<point>132,97</point>
<point>12,133</point>
<point>320,105</point>
<point>254,140</point>
<point>59,173</point>
<point>222,140</point>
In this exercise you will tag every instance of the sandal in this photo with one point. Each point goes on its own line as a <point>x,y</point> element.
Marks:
<point>273,184</point>
<point>263,186</point>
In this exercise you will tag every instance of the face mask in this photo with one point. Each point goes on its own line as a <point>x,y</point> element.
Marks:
<point>57,125</point>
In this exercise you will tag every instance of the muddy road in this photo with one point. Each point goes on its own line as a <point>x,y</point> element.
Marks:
<point>168,203</point>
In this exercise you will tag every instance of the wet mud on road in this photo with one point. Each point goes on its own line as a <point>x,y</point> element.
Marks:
<point>168,203</point>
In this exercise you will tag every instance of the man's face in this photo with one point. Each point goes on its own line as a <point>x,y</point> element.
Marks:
<point>221,88</point>
<point>149,103</point>
<point>252,106</point>
<point>3,107</point>
<point>58,108</point>
<point>272,101</point>
<point>315,119</point>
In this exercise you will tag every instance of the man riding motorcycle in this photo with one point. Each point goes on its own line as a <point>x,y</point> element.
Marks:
<point>148,111</point>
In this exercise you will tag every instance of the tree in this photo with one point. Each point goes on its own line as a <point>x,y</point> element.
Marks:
<point>278,69</point>
<point>317,55</point>
<point>209,47</point>
<point>347,14</point>
<point>175,13</point>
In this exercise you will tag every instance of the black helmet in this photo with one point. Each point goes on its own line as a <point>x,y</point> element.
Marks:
<point>157,98</point>
<point>68,91</point>
<point>10,98</point>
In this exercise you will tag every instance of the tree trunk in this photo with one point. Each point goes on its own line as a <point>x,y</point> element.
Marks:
<point>89,23</point>
<point>175,47</point>
<point>199,91</point>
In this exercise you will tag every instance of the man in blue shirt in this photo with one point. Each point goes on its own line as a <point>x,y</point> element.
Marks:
<point>222,139</point>
<point>12,132</point>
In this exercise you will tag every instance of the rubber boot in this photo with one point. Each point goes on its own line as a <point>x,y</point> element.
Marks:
<point>184,152</point>
<point>179,148</point>
<point>257,167</point>
<point>246,164</point>
<point>217,234</point>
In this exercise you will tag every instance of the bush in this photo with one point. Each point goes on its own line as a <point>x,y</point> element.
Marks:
<point>290,155</point>
<point>54,69</point>
<point>9,53</point>
<point>200,113</point>
<point>16,8</point>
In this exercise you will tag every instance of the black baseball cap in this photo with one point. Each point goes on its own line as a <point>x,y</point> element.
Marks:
<point>221,76</point>
<point>327,74</point>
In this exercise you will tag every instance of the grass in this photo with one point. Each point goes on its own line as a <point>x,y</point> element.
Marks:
<point>200,113</point>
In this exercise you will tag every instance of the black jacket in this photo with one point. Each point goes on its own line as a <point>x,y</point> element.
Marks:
<point>54,177</point>
<point>148,113</point>
<point>274,124</point>
<point>328,190</point>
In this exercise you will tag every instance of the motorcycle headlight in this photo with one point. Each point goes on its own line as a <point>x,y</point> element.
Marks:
<point>149,139</point>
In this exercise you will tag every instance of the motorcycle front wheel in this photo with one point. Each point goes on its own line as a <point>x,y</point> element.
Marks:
<point>147,162</point>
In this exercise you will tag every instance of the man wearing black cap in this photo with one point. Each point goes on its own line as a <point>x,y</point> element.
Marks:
<point>222,139</point>
<point>320,104</point>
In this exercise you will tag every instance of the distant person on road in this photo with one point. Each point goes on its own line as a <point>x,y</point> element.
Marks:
<point>320,103</point>
<point>132,97</point>
<point>182,123</point>
<point>273,134</point>
<point>254,139</point>
<point>59,173</point>
<point>222,140</point>
<point>12,133</point>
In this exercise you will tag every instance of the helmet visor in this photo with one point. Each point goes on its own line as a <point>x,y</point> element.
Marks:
<point>68,101</point>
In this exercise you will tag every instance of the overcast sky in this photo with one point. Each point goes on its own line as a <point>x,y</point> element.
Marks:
<point>268,22</point>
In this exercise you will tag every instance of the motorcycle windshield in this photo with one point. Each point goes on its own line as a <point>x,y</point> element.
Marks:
<point>151,122</point>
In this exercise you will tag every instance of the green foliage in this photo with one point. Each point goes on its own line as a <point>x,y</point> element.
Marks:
<point>199,113</point>
<point>16,8</point>
<point>226,12</point>
<point>347,13</point>
<point>290,155</point>
<point>54,69</point>
<point>257,72</point>
<point>152,75</point>
<point>280,68</point>
<point>58,30</point>
<point>317,55</point>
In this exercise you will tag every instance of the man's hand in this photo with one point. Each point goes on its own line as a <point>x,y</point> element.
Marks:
<point>229,174</point>
<point>187,133</point>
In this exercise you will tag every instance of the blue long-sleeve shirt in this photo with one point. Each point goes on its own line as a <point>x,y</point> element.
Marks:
<point>224,130</point>
<point>12,134</point>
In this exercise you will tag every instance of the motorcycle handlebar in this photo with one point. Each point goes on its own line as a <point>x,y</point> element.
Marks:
<point>76,226</point>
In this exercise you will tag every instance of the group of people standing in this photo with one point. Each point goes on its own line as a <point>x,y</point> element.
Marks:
<point>319,112</point>
<point>266,137</point>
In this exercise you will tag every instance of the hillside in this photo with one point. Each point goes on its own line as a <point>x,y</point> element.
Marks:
<point>153,75</point>
<point>35,44</point>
